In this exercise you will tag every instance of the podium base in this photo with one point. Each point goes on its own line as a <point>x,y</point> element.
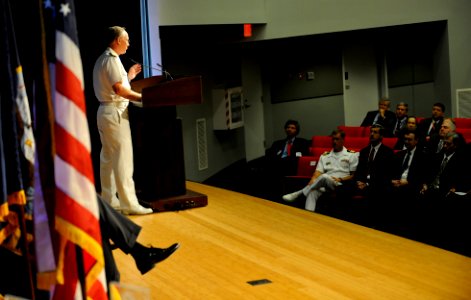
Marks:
<point>189,200</point>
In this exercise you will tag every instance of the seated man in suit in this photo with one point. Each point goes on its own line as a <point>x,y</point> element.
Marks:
<point>335,168</point>
<point>430,127</point>
<point>436,142</point>
<point>407,181</point>
<point>283,154</point>
<point>281,160</point>
<point>401,117</point>
<point>460,198</point>
<point>382,116</point>
<point>411,125</point>
<point>447,173</point>
<point>374,175</point>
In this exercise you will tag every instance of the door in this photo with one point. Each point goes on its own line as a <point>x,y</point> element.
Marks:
<point>254,130</point>
<point>361,90</point>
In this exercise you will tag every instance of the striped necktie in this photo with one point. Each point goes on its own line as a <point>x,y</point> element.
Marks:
<point>405,164</point>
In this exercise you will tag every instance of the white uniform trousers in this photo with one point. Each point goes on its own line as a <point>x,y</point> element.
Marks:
<point>116,157</point>
<point>316,189</point>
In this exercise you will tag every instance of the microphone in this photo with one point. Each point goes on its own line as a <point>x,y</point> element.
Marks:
<point>161,69</point>
<point>144,66</point>
<point>165,71</point>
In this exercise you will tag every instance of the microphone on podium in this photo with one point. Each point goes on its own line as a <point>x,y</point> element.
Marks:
<point>161,69</point>
<point>167,74</point>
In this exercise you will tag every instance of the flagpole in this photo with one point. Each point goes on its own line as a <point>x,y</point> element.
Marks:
<point>25,250</point>
<point>81,271</point>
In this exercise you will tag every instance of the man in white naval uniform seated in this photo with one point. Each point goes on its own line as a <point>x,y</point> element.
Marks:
<point>333,168</point>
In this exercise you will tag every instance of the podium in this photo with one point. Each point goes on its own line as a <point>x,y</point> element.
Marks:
<point>159,167</point>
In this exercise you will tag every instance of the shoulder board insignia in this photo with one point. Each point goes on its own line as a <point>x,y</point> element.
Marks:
<point>351,151</point>
<point>326,153</point>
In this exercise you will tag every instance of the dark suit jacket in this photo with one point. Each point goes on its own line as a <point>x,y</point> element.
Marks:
<point>464,185</point>
<point>288,165</point>
<point>425,124</point>
<point>400,139</point>
<point>402,125</point>
<point>415,177</point>
<point>453,174</point>
<point>423,127</point>
<point>381,170</point>
<point>388,122</point>
<point>431,146</point>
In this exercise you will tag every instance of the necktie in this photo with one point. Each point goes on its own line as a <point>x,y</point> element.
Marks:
<point>372,154</point>
<point>398,125</point>
<point>405,164</point>
<point>288,147</point>
<point>432,127</point>
<point>397,128</point>
<point>436,182</point>
<point>443,165</point>
<point>370,159</point>
<point>287,150</point>
<point>440,146</point>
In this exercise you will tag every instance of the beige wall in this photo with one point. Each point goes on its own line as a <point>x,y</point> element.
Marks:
<point>306,17</point>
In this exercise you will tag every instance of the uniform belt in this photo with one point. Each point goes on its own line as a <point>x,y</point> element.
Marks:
<point>114,103</point>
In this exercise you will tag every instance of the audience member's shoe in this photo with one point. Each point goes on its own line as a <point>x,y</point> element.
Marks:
<point>148,257</point>
<point>138,210</point>
<point>293,196</point>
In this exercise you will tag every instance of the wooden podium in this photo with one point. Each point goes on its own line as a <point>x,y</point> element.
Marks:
<point>159,167</point>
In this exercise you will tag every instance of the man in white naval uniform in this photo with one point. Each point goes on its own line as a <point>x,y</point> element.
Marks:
<point>113,90</point>
<point>333,168</point>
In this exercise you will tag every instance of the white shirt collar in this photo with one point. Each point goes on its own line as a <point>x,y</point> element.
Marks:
<point>112,52</point>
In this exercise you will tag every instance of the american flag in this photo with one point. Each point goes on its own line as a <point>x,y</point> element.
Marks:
<point>76,212</point>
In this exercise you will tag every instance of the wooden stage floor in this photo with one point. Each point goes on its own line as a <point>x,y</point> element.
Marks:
<point>239,238</point>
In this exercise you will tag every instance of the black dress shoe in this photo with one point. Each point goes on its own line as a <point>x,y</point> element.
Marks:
<point>148,257</point>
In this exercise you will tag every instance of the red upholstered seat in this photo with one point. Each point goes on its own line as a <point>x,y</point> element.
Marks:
<point>354,131</point>
<point>318,151</point>
<point>390,141</point>
<point>321,141</point>
<point>462,123</point>
<point>307,166</point>
<point>356,143</point>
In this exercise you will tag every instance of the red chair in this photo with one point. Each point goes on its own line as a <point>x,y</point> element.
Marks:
<point>321,141</point>
<point>318,151</point>
<point>356,143</point>
<point>306,166</point>
<point>354,131</point>
<point>419,119</point>
<point>390,141</point>
<point>462,123</point>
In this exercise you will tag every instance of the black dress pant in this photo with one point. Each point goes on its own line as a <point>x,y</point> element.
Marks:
<point>121,231</point>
